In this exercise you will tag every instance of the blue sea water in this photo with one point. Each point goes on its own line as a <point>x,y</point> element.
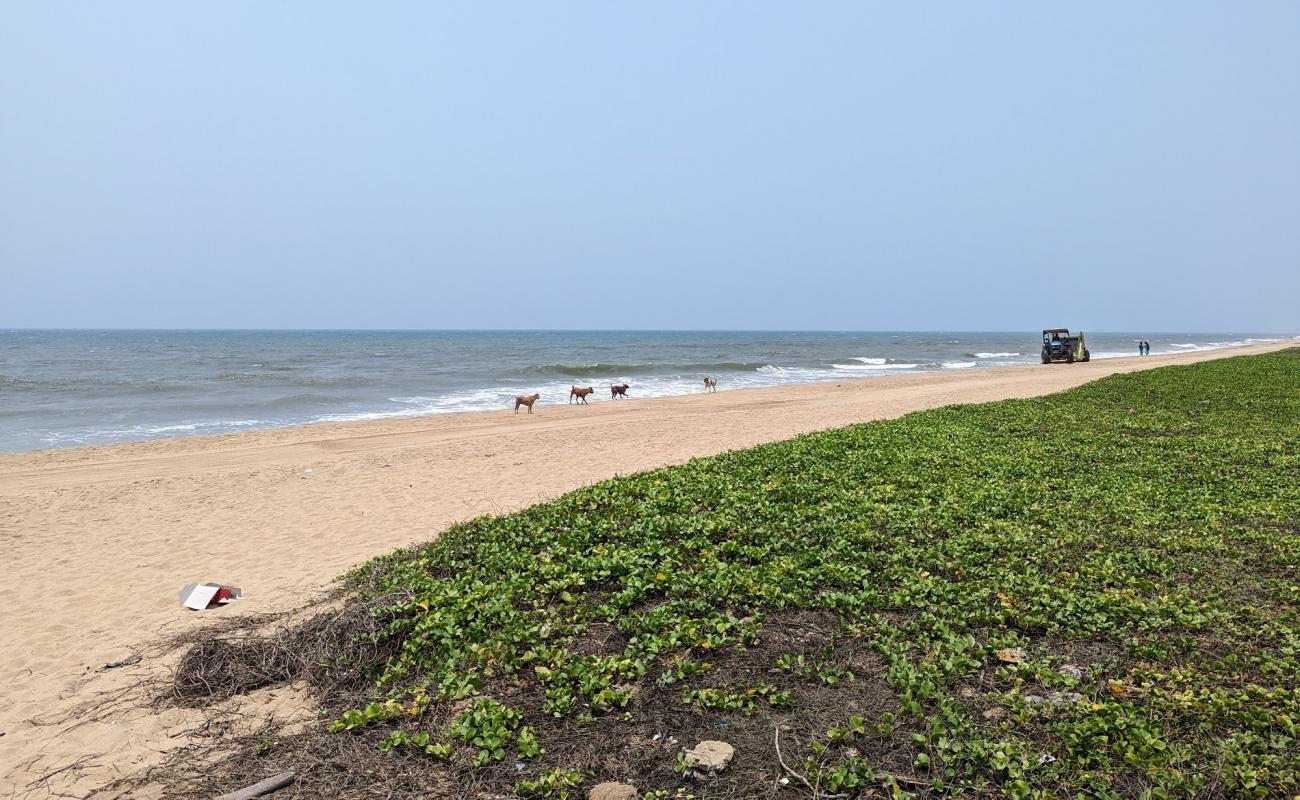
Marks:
<point>67,388</point>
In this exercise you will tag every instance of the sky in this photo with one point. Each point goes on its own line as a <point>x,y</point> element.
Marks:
<point>720,165</point>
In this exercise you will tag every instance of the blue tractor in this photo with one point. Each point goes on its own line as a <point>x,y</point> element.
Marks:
<point>1062,347</point>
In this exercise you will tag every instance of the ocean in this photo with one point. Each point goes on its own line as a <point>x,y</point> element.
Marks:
<point>85,387</point>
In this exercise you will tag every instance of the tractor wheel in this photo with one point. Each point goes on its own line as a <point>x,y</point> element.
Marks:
<point>1046,357</point>
<point>1087,356</point>
<point>1069,357</point>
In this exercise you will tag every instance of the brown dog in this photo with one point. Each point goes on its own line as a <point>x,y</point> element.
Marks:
<point>618,390</point>
<point>526,400</point>
<point>710,384</point>
<point>581,394</point>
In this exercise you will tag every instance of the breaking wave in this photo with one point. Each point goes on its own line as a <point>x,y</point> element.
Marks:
<point>867,367</point>
<point>616,370</point>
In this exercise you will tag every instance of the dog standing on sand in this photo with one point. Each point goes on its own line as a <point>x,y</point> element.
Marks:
<point>580,393</point>
<point>526,400</point>
<point>618,390</point>
<point>710,384</point>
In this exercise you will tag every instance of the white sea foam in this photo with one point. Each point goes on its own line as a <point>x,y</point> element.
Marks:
<point>958,364</point>
<point>872,360</point>
<point>419,406</point>
<point>865,367</point>
<point>1113,354</point>
<point>109,435</point>
<point>769,375</point>
<point>1194,348</point>
<point>1188,347</point>
<point>557,393</point>
<point>994,355</point>
<point>502,397</point>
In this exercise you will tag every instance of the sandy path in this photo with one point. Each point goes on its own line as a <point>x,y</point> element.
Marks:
<point>95,542</point>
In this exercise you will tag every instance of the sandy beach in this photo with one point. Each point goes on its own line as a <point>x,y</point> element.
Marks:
<point>97,541</point>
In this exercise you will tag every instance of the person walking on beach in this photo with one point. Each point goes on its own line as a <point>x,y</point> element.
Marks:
<point>1142,346</point>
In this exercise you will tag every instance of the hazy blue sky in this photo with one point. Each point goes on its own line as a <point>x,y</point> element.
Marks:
<point>858,165</point>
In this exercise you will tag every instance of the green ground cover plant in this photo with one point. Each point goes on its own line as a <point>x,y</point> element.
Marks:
<point>1092,594</point>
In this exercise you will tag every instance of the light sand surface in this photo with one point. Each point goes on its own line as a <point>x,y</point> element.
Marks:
<point>96,542</point>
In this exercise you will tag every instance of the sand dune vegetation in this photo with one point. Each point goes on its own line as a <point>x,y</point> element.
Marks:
<point>1092,593</point>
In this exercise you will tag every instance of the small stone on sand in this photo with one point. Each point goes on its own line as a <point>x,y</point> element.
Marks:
<point>710,755</point>
<point>612,791</point>
<point>1054,698</point>
<point>1012,655</point>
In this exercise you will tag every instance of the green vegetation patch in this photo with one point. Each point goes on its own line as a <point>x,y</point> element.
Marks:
<point>1091,594</point>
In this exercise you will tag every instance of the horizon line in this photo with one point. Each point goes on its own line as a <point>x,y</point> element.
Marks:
<point>611,330</point>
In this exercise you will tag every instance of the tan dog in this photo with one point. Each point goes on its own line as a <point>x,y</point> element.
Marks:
<point>526,400</point>
<point>618,390</point>
<point>710,384</point>
<point>581,394</point>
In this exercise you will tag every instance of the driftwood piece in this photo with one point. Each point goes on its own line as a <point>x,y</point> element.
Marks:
<point>261,787</point>
<point>126,662</point>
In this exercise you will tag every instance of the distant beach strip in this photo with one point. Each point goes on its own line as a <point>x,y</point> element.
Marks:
<point>70,388</point>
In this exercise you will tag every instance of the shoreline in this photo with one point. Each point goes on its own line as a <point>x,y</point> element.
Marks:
<point>261,381</point>
<point>98,539</point>
<point>312,431</point>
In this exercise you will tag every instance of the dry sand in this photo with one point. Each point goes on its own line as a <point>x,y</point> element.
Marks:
<point>96,542</point>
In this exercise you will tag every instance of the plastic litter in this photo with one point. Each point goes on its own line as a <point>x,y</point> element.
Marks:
<point>201,596</point>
